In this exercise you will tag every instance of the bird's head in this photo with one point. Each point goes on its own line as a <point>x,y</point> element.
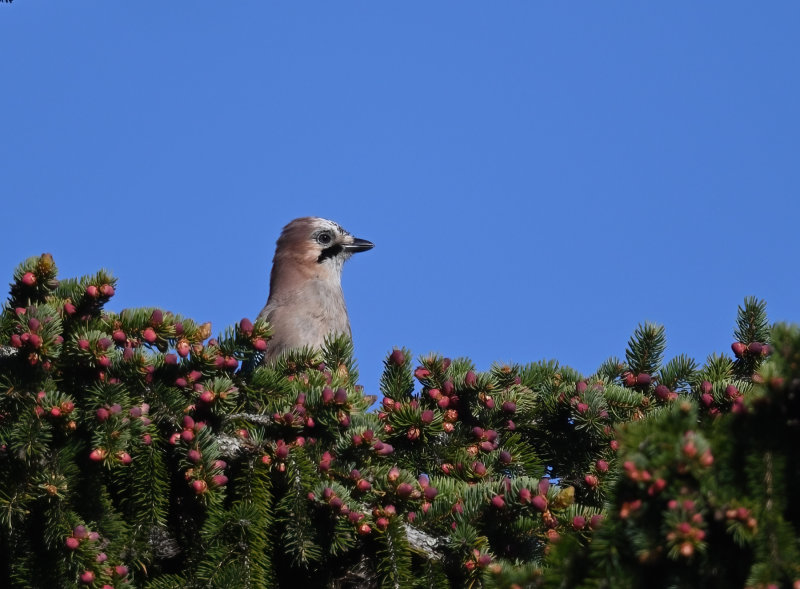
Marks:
<point>317,246</point>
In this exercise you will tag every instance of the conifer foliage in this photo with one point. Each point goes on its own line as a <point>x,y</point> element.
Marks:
<point>138,451</point>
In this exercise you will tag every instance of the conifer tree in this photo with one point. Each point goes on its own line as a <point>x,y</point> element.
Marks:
<point>138,451</point>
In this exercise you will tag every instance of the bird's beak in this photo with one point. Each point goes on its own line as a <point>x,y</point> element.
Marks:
<point>358,245</point>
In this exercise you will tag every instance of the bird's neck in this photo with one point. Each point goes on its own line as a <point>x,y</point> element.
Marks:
<point>288,276</point>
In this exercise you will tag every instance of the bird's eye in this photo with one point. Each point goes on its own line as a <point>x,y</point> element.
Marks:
<point>324,238</point>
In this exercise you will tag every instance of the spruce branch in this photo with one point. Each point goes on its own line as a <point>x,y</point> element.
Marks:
<point>645,349</point>
<point>752,336</point>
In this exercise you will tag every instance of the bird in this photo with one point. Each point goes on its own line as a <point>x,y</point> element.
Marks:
<point>306,302</point>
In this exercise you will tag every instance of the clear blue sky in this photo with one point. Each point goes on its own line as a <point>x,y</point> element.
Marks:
<point>538,177</point>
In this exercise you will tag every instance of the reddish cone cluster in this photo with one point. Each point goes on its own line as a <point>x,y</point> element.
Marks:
<point>224,362</point>
<point>743,516</point>
<point>364,438</point>
<point>486,441</point>
<point>81,536</point>
<point>629,507</point>
<point>202,472</point>
<point>731,399</point>
<point>636,380</point>
<point>189,431</point>
<point>663,393</point>
<point>209,393</point>
<point>383,516</point>
<point>751,350</point>
<point>478,560</point>
<point>540,504</point>
<point>56,409</point>
<point>686,536</point>
<point>255,336</point>
<point>335,502</point>
<point>409,420</point>
<point>696,449</point>
<point>32,336</point>
<point>580,401</point>
<point>103,291</point>
<point>190,379</point>
<point>97,352</point>
<point>203,478</point>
